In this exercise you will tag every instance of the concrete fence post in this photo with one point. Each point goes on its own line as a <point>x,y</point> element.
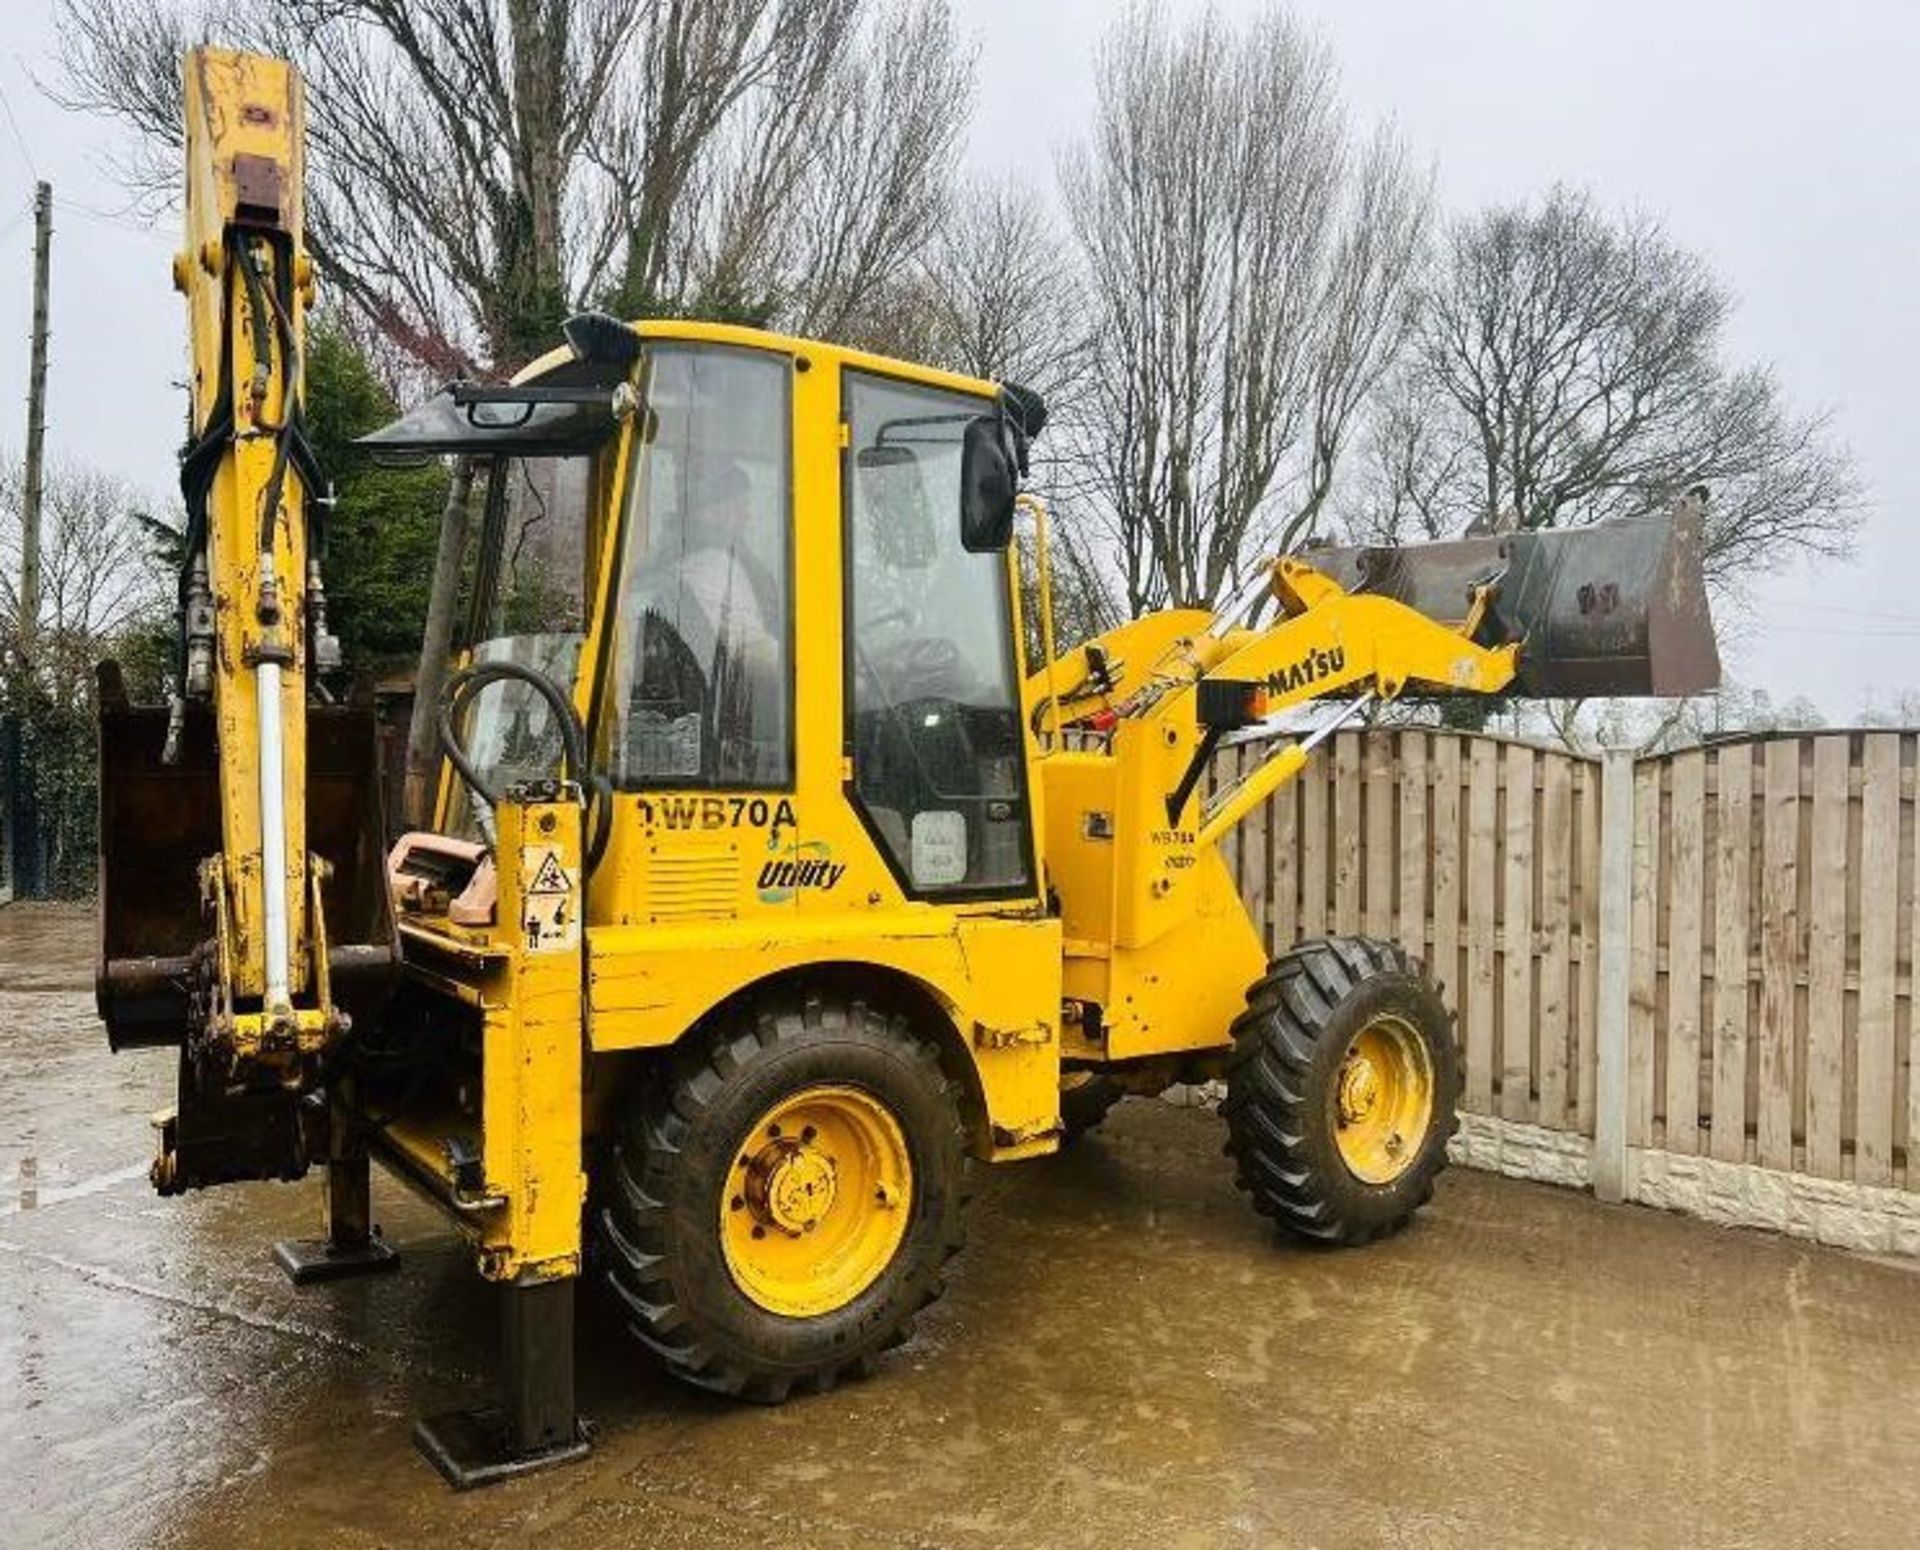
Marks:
<point>1612,979</point>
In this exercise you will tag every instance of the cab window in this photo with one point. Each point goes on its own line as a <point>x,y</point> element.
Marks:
<point>703,676</point>
<point>525,604</point>
<point>933,697</point>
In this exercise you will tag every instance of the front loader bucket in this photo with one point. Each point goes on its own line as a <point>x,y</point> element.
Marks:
<point>1617,608</point>
<point>159,821</point>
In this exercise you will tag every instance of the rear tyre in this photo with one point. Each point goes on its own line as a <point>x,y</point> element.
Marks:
<point>778,1207</point>
<point>1086,1098</point>
<point>1342,1090</point>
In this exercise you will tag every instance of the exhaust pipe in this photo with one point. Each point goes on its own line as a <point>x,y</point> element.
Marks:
<point>1615,609</point>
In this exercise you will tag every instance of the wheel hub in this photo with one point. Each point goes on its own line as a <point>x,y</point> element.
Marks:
<point>1383,1100</point>
<point>1359,1089</point>
<point>794,1191</point>
<point>814,1207</point>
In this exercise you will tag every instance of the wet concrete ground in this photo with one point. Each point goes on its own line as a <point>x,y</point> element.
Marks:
<point>1127,1357</point>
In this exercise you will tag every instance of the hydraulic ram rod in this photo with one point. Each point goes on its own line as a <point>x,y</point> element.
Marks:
<point>1242,799</point>
<point>277,989</point>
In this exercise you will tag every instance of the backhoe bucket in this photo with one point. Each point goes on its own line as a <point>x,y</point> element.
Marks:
<point>1618,608</point>
<point>159,821</point>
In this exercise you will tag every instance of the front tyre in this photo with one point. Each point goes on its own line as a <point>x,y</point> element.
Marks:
<point>781,1204</point>
<point>1342,1091</point>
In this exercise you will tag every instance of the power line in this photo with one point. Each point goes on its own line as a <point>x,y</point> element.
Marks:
<point>12,224</point>
<point>18,138</point>
<point>120,222</point>
<point>123,216</point>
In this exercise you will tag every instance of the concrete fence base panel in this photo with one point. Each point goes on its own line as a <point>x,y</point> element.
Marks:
<point>1864,1217</point>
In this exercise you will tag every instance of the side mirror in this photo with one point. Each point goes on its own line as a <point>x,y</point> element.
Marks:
<point>987,486</point>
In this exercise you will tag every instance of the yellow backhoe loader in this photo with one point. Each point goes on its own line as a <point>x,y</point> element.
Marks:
<point>767,883</point>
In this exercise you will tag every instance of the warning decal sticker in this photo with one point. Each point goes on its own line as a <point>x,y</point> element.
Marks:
<point>548,920</point>
<point>550,876</point>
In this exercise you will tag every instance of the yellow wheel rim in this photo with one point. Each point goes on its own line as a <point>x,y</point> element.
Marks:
<point>816,1202</point>
<point>1383,1100</point>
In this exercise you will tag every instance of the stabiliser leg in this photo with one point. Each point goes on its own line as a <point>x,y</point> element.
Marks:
<point>535,1426</point>
<point>352,1246</point>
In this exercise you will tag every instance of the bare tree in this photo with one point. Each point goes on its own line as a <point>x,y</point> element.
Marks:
<point>706,143</point>
<point>1903,711</point>
<point>1003,296</point>
<point>1406,463</point>
<point>96,575</point>
<point>441,137</point>
<point>479,167</point>
<point>1247,268</point>
<point>880,185</point>
<point>1569,367</point>
<point>98,588</point>
<point>820,196</point>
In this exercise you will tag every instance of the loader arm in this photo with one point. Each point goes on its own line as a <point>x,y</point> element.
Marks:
<point>1337,643</point>
<point>1134,718</point>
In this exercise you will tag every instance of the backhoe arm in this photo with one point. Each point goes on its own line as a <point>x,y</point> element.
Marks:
<point>221,931</point>
<point>247,280</point>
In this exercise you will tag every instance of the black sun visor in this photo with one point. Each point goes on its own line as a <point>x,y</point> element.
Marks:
<point>566,412</point>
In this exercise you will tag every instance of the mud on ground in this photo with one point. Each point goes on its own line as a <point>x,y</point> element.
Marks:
<point>1127,1356</point>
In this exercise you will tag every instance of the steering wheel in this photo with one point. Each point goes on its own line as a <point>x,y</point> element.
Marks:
<point>460,691</point>
<point>902,616</point>
<point>929,668</point>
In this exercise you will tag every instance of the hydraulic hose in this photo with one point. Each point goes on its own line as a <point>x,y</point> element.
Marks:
<point>461,689</point>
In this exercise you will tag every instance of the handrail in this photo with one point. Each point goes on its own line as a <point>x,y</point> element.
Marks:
<point>1043,579</point>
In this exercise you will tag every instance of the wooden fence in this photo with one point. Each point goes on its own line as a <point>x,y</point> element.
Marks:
<point>1767,932</point>
<point>1773,954</point>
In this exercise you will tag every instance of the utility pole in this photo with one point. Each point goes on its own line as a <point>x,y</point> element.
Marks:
<point>36,423</point>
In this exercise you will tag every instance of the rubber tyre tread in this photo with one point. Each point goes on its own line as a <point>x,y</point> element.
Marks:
<point>1287,1048</point>
<point>655,1219</point>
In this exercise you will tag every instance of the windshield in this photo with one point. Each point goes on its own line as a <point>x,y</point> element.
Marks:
<point>703,675</point>
<point>525,604</point>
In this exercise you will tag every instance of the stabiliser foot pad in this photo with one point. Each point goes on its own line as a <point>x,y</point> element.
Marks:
<point>473,1448</point>
<point>307,1260</point>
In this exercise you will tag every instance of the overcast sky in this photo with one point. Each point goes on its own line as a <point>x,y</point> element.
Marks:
<point>1779,139</point>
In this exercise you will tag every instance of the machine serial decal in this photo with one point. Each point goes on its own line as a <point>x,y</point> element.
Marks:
<point>718,812</point>
<point>1310,669</point>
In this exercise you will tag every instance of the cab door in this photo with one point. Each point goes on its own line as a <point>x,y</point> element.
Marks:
<point>934,734</point>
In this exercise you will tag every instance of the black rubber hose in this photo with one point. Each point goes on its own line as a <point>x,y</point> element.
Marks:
<point>460,690</point>
<point>268,320</point>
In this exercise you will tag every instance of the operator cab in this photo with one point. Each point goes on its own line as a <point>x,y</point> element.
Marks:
<point>772,580</point>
